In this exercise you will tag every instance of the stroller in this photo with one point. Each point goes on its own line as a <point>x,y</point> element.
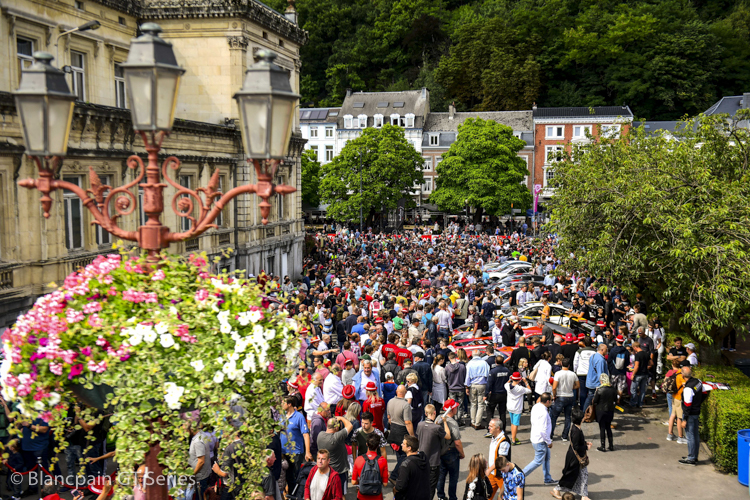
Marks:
<point>298,493</point>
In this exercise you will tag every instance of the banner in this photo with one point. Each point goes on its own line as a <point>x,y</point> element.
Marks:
<point>537,190</point>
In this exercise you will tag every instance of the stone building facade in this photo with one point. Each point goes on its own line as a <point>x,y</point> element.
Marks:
<point>215,41</point>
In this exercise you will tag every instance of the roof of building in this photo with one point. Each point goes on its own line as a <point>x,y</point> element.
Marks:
<point>583,111</point>
<point>727,104</point>
<point>319,115</point>
<point>441,122</point>
<point>654,126</point>
<point>386,104</point>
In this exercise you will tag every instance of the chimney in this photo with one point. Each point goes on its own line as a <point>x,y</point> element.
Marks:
<point>451,110</point>
<point>291,12</point>
<point>348,92</point>
<point>533,106</point>
<point>746,100</point>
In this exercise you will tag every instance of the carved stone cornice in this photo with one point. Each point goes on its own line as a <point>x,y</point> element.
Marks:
<point>249,9</point>
<point>238,42</point>
<point>132,7</point>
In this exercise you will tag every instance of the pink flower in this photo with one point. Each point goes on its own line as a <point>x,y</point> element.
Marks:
<point>95,321</point>
<point>73,316</point>
<point>92,307</point>
<point>102,342</point>
<point>69,356</point>
<point>138,297</point>
<point>158,275</point>
<point>46,416</point>
<point>75,370</point>
<point>112,292</point>
<point>86,351</point>
<point>183,332</point>
<point>201,295</point>
<point>56,368</point>
<point>270,366</point>
<point>95,367</point>
<point>203,275</point>
<point>11,380</point>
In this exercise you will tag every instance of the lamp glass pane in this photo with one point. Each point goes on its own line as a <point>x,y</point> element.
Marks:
<point>254,117</point>
<point>31,110</point>
<point>60,115</point>
<point>167,84</point>
<point>139,84</point>
<point>281,125</point>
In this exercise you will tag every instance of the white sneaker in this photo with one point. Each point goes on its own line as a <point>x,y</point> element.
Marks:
<point>671,437</point>
<point>682,441</point>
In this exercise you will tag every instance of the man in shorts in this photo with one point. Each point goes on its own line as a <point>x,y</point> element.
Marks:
<point>676,416</point>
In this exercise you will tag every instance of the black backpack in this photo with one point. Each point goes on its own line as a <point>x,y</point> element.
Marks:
<point>670,384</point>
<point>369,480</point>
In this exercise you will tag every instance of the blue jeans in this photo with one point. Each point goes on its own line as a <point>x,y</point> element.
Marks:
<point>670,398</point>
<point>589,398</point>
<point>425,397</point>
<point>449,465</point>
<point>400,456</point>
<point>73,457</point>
<point>541,457</point>
<point>638,390</point>
<point>582,392</point>
<point>562,404</point>
<point>692,435</point>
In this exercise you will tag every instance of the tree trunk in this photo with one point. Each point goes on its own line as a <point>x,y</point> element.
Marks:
<point>478,214</point>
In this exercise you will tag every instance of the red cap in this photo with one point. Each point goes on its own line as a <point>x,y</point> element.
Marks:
<point>348,392</point>
<point>546,292</point>
<point>601,323</point>
<point>378,320</point>
<point>516,376</point>
<point>291,383</point>
<point>303,329</point>
<point>450,405</point>
<point>620,338</point>
<point>370,386</point>
<point>570,338</point>
<point>581,336</point>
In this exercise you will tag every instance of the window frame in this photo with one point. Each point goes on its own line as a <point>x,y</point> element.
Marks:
<point>550,149</point>
<point>329,149</point>
<point>362,121</point>
<point>555,128</point>
<point>377,121</point>
<point>104,237</point>
<point>184,222</point>
<point>329,132</point>
<point>24,60</point>
<point>78,70</point>
<point>610,130</point>
<point>409,120</point>
<point>220,218</point>
<point>70,199</point>
<point>121,98</point>
<point>395,117</point>
<point>348,121</point>
<point>583,128</point>
<point>314,148</point>
<point>427,164</point>
<point>427,185</point>
<point>314,132</point>
<point>434,139</point>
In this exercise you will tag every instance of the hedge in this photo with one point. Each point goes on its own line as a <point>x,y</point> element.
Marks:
<point>724,413</point>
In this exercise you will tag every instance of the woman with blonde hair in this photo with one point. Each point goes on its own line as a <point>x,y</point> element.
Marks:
<point>478,486</point>
<point>523,369</point>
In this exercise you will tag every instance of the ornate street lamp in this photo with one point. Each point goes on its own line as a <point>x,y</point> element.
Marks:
<point>45,105</point>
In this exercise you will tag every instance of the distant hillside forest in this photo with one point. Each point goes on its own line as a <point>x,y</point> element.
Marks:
<point>664,58</point>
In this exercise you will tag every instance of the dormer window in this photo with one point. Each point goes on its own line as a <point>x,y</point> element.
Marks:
<point>348,121</point>
<point>409,120</point>
<point>362,121</point>
<point>394,119</point>
<point>377,121</point>
<point>434,139</point>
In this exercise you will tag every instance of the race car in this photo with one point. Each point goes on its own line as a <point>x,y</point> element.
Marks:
<point>533,310</point>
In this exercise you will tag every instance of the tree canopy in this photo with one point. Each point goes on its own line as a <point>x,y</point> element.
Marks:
<point>390,169</point>
<point>664,58</point>
<point>667,215</point>
<point>483,167</point>
<point>310,178</point>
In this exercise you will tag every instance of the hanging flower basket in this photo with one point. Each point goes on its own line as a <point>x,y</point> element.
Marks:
<point>148,345</point>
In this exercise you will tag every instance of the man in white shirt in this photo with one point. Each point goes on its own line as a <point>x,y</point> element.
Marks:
<point>499,447</point>
<point>541,440</point>
<point>497,338</point>
<point>692,356</point>
<point>445,322</point>
<point>332,386</point>
<point>313,395</point>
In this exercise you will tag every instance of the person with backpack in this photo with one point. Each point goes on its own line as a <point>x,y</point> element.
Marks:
<point>370,471</point>
<point>414,474</point>
<point>673,386</point>
<point>619,359</point>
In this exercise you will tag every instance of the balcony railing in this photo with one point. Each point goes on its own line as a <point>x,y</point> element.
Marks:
<point>6,279</point>
<point>192,245</point>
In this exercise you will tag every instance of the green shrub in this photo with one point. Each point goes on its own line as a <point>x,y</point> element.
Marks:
<point>724,413</point>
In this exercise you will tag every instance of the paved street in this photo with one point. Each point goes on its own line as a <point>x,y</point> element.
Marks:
<point>643,466</point>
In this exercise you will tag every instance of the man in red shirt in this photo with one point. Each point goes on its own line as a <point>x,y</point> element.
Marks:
<point>390,347</point>
<point>375,405</point>
<point>303,379</point>
<point>403,354</point>
<point>373,442</point>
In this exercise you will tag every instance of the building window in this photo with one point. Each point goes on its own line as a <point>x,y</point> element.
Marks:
<point>186,181</point>
<point>610,131</point>
<point>378,121</point>
<point>281,43</point>
<point>409,121</point>
<point>394,119</point>
<point>329,153</point>
<point>347,121</point>
<point>362,121</point>
<point>265,35</point>
<point>78,68</point>
<point>271,264</point>
<point>24,51</point>
<point>329,131</point>
<point>79,5</point>
<point>437,161</point>
<point>121,20</point>
<point>313,132</point>
<point>434,139</point>
<point>554,154</point>
<point>120,99</point>
<point>141,212</point>
<point>103,237</point>
<point>555,132</point>
<point>73,217</point>
<point>280,206</point>
<point>580,131</point>
<point>314,149</point>
<point>220,219</point>
<point>549,174</point>
<point>427,164</point>
<point>427,186</point>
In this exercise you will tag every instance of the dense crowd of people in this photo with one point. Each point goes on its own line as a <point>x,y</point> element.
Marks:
<point>377,369</point>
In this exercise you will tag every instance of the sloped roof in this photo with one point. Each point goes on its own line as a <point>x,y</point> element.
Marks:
<point>583,111</point>
<point>387,103</point>
<point>727,104</point>
<point>441,122</point>
<point>319,115</point>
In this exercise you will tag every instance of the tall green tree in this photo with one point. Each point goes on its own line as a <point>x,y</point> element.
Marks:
<point>667,216</point>
<point>483,167</point>
<point>380,162</point>
<point>310,178</point>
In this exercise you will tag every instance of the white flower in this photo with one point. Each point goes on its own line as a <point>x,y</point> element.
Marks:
<point>255,316</point>
<point>223,317</point>
<point>22,408</point>
<point>226,328</point>
<point>166,340</point>
<point>219,377</point>
<point>173,394</point>
<point>244,318</point>
<point>150,336</point>
<point>135,338</point>
<point>132,320</point>
<point>229,366</point>
<point>249,364</point>
<point>5,367</point>
<point>53,399</point>
<point>39,405</point>
<point>162,328</point>
<point>197,364</point>
<point>234,357</point>
<point>9,393</point>
<point>173,311</point>
<point>241,345</point>
<point>235,336</point>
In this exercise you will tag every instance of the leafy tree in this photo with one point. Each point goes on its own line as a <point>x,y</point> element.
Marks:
<point>310,178</point>
<point>483,167</point>
<point>665,215</point>
<point>390,168</point>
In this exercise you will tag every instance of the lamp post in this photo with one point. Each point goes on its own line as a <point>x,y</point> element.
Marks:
<point>89,26</point>
<point>266,104</point>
